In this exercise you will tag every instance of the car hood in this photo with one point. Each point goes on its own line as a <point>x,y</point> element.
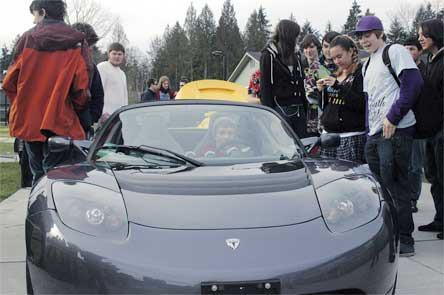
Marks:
<point>221,197</point>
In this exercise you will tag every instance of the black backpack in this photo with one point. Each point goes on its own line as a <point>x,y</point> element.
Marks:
<point>419,111</point>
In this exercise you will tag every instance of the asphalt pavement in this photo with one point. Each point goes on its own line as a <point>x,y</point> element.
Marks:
<point>422,274</point>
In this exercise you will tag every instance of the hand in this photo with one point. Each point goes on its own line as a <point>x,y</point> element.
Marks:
<point>329,81</point>
<point>388,129</point>
<point>320,84</point>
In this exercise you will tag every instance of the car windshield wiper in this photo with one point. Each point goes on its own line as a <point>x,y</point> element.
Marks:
<point>125,166</point>
<point>157,152</point>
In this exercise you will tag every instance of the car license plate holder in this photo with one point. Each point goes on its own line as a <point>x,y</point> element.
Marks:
<point>248,287</point>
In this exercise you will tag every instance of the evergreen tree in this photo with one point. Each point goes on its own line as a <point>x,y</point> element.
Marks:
<point>353,17</point>
<point>328,27</point>
<point>397,34</point>
<point>256,31</point>
<point>5,59</point>
<point>440,14</point>
<point>422,14</point>
<point>190,27</point>
<point>228,38</point>
<point>368,12</point>
<point>264,25</point>
<point>307,29</point>
<point>292,17</point>
<point>251,32</point>
<point>206,37</point>
<point>171,59</point>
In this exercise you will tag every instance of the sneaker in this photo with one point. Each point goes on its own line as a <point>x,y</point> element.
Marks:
<point>414,207</point>
<point>433,227</point>
<point>406,250</point>
<point>439,236</point>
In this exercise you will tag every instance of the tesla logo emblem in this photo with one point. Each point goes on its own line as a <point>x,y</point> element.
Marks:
<point>232,243</point>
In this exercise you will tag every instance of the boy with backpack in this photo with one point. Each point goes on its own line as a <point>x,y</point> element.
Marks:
<point>391,122</point>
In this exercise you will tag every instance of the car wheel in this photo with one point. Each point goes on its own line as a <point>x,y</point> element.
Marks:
<point>29,289</point>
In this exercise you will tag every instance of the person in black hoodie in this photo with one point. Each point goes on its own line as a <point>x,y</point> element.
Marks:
<point>430,116</point>
<point>93,110</point>
<point>282,78</point>
<point>343,101</point>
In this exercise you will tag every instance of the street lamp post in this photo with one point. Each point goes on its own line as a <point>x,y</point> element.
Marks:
<point>224,68</point>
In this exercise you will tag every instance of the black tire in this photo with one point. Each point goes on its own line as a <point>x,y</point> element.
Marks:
<point>394,285</point>
<point>29,289</point>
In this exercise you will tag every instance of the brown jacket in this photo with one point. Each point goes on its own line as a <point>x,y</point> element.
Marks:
<point>47,82</point>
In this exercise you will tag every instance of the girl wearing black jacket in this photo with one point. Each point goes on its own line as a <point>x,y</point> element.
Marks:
<point>282,80</point>
<point>343,102</point>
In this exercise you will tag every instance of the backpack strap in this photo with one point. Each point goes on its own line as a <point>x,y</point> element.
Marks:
<point>388,63</point>
<point>367,63</point>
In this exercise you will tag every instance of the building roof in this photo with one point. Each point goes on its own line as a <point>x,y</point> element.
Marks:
<point>249,55</point>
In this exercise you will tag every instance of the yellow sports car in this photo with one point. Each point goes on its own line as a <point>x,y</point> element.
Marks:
<point>215,90</point>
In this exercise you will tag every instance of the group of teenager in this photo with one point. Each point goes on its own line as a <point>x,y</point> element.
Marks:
<point>383,107</point>
<point>160,91</point>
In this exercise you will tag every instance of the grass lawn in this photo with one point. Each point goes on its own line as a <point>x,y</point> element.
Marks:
<point>4,131</point>
<point>9,179</point>
<point>6,148</point>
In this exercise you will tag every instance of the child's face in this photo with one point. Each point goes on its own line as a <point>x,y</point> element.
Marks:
<point>224,135</point>
<point>370,42</point>
<point>311,52</point>
<point>116,57</point>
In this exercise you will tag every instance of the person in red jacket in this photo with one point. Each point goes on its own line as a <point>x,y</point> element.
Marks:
<point>47,83</point>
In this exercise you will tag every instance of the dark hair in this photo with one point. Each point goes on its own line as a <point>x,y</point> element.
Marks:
<point>285,36</point>
<point>183,79</point>
<point>150,82</point>
<point>88,30</point>
<point>311,39</point>
<point>433,29</point>
<point>329,36</point>
<point>413,41</point>
<point>347,43</point>
<point>116,47</point>
<point>378,34</point>
<point>55,9</point>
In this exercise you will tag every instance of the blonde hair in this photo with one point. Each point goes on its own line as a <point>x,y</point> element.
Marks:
<point>161,80</point>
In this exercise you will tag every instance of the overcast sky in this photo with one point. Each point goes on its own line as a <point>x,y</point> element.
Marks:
<point>144,19</point>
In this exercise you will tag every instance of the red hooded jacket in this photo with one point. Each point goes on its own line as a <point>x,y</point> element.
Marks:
<point>47,82</point>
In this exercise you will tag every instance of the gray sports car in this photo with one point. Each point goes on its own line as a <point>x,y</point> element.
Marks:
<point>207,197</point>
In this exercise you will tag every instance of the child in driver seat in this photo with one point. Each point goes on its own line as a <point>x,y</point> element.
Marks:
<point>223,141</point>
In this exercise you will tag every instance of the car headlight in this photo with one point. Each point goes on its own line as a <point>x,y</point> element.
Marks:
<point>91,209</point>
<point>349,202</point>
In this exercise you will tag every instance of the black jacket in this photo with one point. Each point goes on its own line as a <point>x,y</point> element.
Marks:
<point>344,105</point>
<point>278,83</point>
<point>94,108</point>
<point>429,108</point>
<point>148,95</point>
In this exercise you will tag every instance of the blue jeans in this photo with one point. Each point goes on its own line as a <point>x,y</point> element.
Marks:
<point>389,159</point>
<point>41,160</point>
<point>415,167</point>
<point>434,174</point>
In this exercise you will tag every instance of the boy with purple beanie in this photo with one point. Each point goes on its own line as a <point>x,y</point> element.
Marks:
<point>391,122</point>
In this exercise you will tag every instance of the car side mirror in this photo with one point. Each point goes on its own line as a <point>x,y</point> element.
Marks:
<point>57,144</point>
<point>330,140</point>
<point>327,140</point>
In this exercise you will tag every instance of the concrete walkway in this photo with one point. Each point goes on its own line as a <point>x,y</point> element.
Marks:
<point>422,274</point>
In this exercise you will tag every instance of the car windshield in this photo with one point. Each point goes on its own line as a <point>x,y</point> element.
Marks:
<point>209,134</point>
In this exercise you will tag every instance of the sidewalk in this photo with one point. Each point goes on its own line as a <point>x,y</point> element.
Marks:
<point>422,274</point>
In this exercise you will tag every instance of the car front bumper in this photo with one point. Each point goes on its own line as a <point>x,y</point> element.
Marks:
<point>304,258</point>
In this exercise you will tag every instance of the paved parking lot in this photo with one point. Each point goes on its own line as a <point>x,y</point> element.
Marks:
<point>421,274</point>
